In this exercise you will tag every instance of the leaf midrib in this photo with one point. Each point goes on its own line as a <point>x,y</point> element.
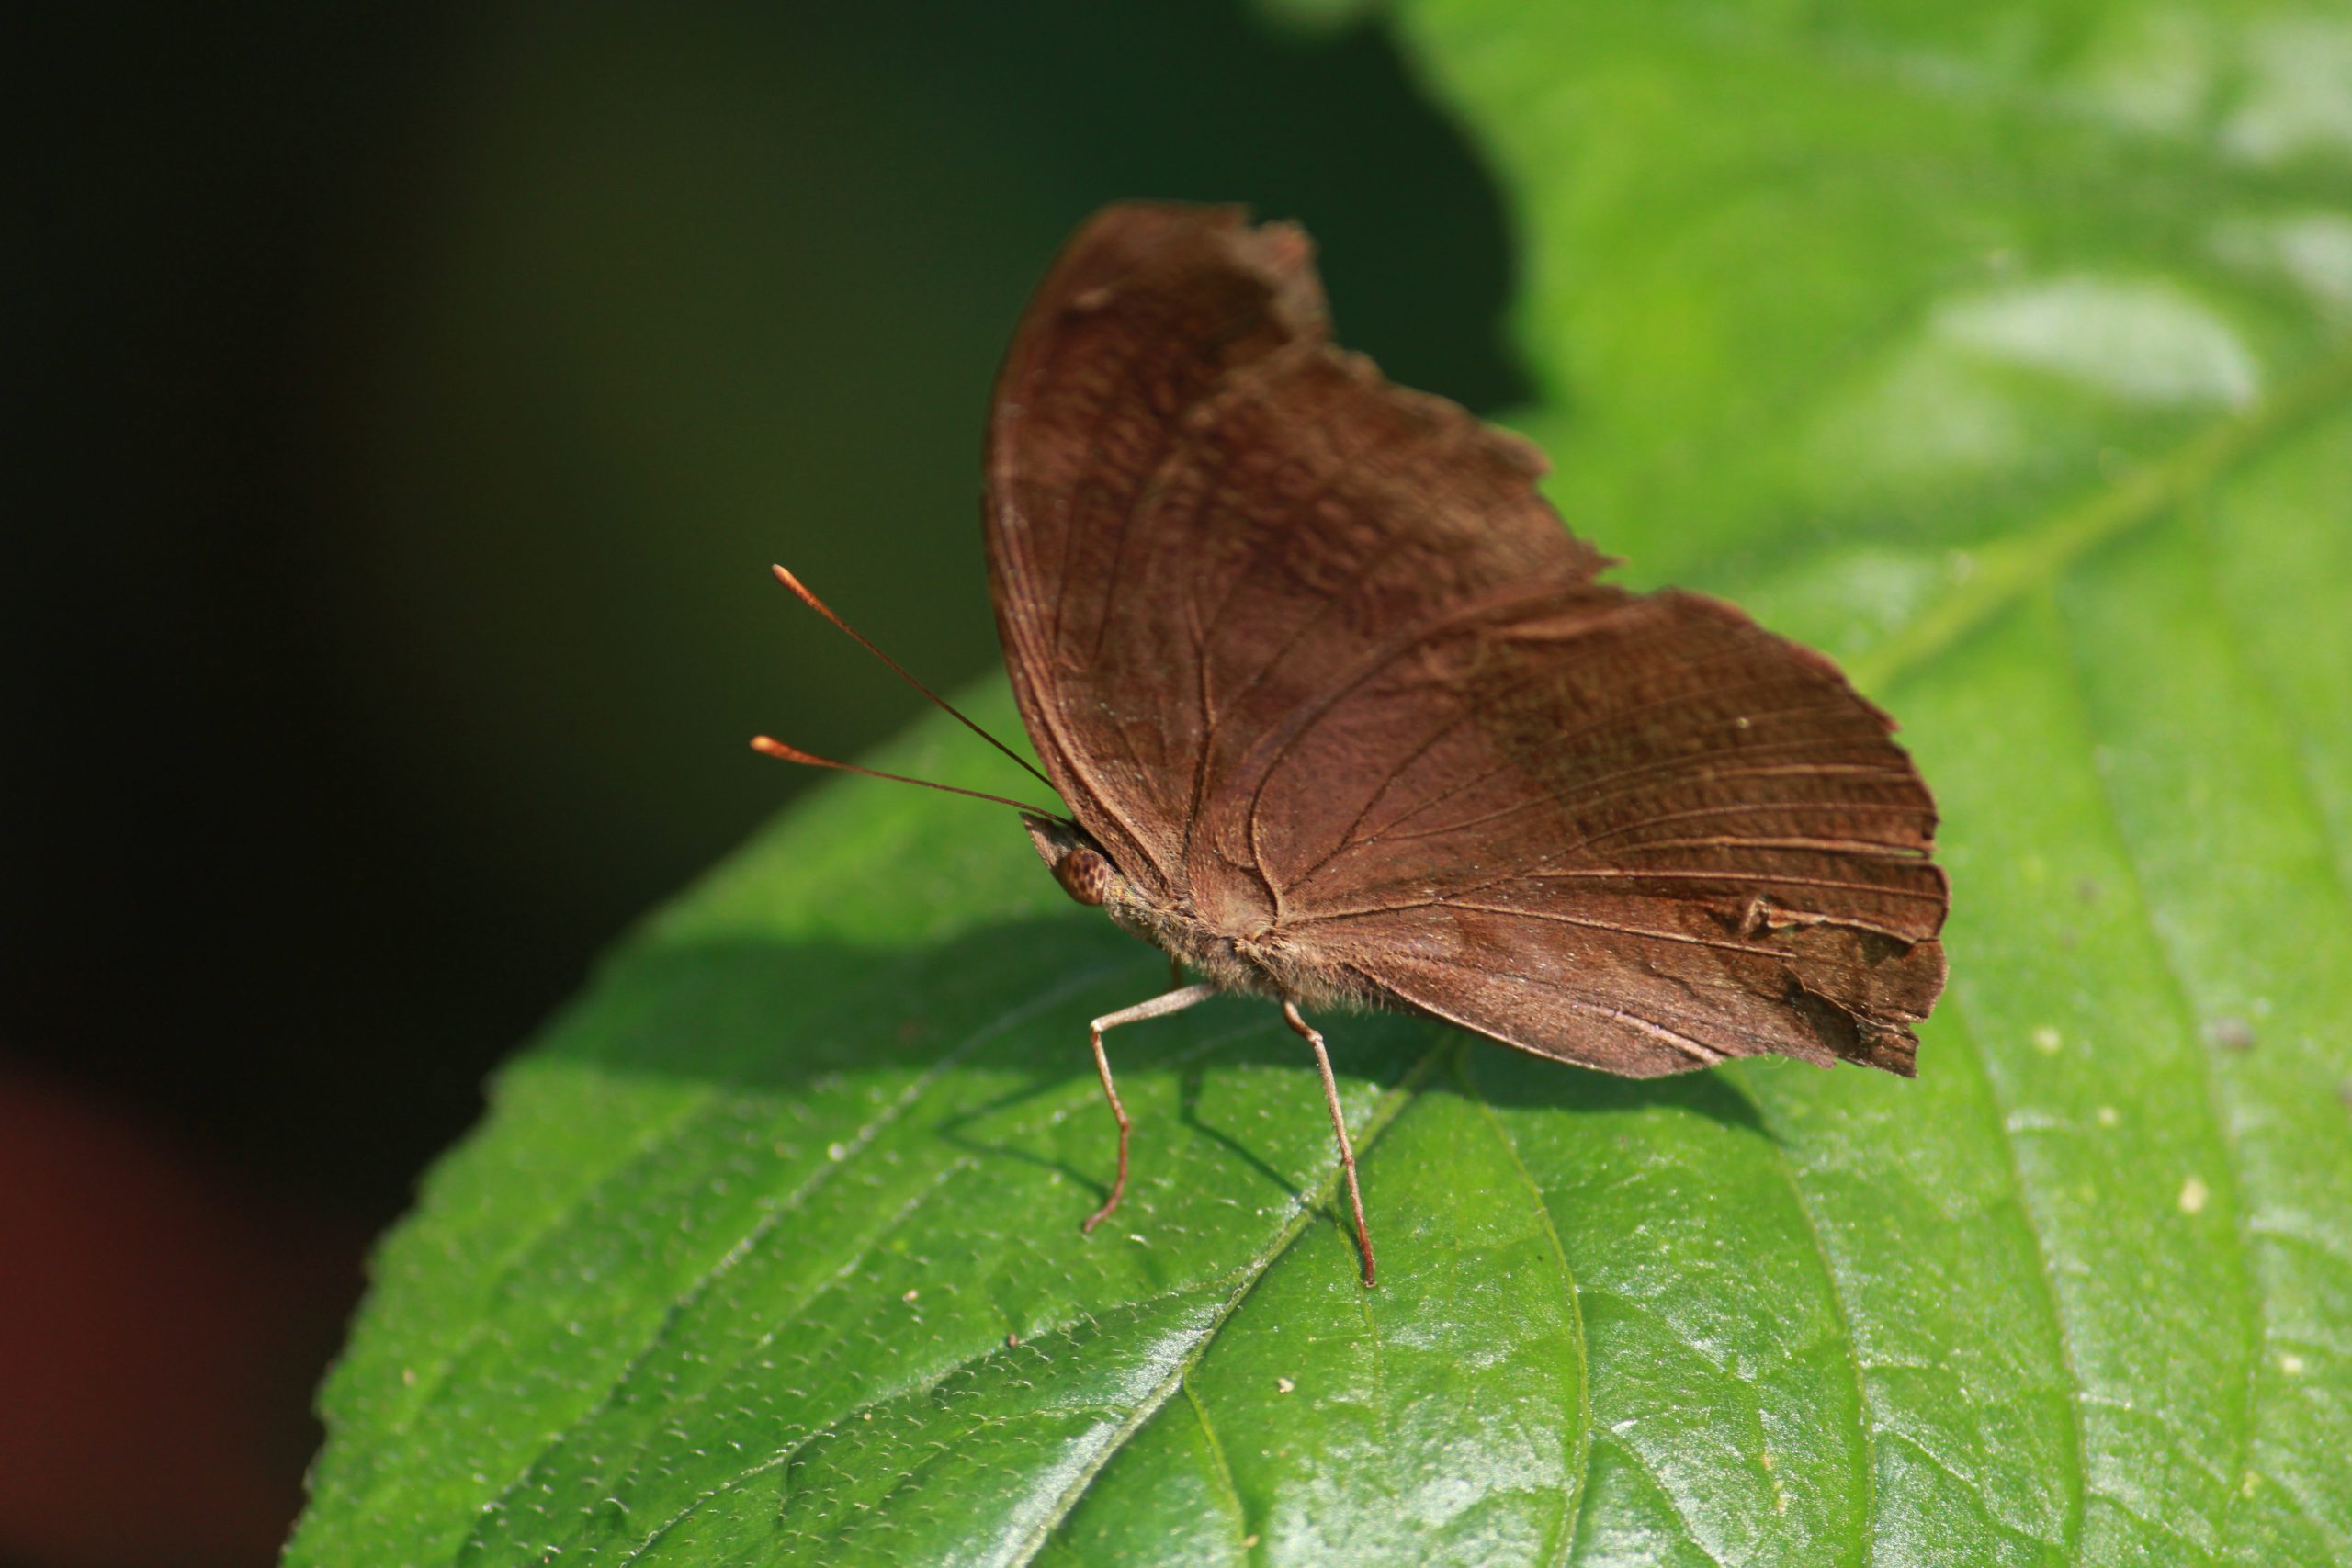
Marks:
<point>2008,569</point>
<point>1244,1282</point>
<point>1384,1115</point>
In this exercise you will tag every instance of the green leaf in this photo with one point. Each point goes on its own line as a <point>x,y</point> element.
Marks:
<point>2003,350</point>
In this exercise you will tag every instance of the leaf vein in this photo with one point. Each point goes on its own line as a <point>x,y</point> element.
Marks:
<point>1579,1465</point>
<point>2224,1135</point>
<point>2020,564</point>
<point>1225,1479</point>
<point>1853,1358</point>
<point>790,1204</point>
<point>2004,1139</point>
<point>1391,1105</point>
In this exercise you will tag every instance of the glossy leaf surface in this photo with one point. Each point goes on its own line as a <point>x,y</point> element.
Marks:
<point>2004,352</point>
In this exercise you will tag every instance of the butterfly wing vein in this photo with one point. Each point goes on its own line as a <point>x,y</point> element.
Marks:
<point>1335,689</point>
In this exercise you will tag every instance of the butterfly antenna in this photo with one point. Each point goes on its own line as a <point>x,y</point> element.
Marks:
<point>800,591</point>
<point>769,746</point>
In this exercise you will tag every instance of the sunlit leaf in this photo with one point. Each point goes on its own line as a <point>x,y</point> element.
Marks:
<point>2003,351</point>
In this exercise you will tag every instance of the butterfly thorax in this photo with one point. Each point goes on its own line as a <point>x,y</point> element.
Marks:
<point>1252,962</point>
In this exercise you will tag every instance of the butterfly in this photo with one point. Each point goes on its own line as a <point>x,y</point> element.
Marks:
<point>1344,718</point>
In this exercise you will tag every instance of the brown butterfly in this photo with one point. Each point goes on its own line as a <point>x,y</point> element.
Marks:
<point>1343,717</point>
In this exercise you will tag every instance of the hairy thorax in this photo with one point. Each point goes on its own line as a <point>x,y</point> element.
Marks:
<point>1256,962</point>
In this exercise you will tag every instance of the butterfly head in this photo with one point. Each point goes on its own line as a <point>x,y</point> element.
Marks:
<point>1078,863</point>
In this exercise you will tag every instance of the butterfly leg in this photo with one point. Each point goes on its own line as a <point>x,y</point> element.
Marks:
<point>1159,1007</point>
<point>1339,1125</point>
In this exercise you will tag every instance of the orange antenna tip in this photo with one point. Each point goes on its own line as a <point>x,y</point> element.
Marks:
<point>769,746</point>
<point>800,592</point>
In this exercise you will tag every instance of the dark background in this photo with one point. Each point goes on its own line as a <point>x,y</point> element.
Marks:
<point>407,403</point>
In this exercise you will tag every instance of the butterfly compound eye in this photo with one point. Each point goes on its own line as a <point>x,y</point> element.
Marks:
<point>1084,875</point>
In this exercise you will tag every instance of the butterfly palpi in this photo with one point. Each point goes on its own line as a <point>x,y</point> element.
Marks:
<point>1343,717</point>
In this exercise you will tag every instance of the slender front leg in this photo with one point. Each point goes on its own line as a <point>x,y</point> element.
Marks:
<point>1340,1126</point>
<point>1159,1007</point>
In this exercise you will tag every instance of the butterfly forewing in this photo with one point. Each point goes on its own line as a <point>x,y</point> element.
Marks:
<point>1312,659</point>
